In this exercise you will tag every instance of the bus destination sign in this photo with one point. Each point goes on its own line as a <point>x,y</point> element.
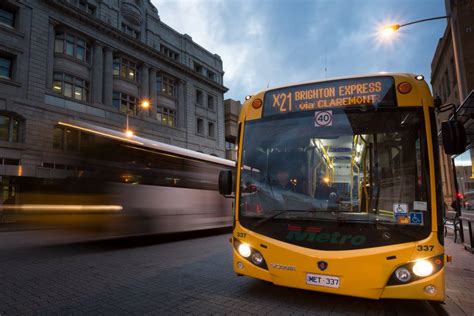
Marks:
<point>373,91</point>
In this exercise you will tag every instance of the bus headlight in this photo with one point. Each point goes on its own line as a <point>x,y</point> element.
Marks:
<point>422,268</point>
<point>244,250</point>
<point>416,270</point>
<point>252,255</point>
<point>403,274</point>
<point>257,258</point>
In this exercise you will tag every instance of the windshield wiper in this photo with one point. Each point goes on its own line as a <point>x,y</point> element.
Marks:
<point>266,219</point>
<point>397,227</point>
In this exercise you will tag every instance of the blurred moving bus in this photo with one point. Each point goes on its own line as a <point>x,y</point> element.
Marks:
<point>337,188</point>
<point>119,185</point>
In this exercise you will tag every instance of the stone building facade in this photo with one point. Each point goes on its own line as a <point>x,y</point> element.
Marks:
<point>232,112</point>
<point>96,61</point>
<point>445,76</point>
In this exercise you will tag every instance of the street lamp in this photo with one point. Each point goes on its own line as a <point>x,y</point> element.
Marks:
<point>144,104</point>
<point>389,30</point>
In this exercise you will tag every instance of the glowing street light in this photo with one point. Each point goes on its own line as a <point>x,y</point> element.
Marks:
<point>144,104</point>
<point>388,30</point>
<point>129,133</point>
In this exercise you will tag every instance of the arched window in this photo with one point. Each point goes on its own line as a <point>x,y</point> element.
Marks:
<point>9,128</point>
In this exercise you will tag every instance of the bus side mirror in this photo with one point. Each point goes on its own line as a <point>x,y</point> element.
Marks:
<point>225,182</point>
<point>454,137</point>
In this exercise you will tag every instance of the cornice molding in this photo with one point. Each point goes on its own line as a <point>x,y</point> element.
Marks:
<point>129,40</point>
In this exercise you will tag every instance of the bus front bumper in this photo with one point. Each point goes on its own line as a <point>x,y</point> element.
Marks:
<point>352,282</point>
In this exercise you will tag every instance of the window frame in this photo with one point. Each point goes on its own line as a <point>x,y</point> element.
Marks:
<point>127,103</point>
<point>211,126</point>
<point>86,6</point>
<point>199,97</point>
<point>199,119</point>
<point>13,129</point>
<point>130,31</point>
<point>211,106</point>
<point>73,82</point>
<point>168,52</point>
<point>13,12</point>
<point>198,67</point>
<point>165,115</point>
<point>125,64</point>
<point>166,85</point>
<point>11,61</point>
<point>62,41</point>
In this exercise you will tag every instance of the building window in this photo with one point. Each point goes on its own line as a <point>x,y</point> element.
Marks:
<point>210,102</point>
<point>230,146</point>
<point>86,6</point>
<point>71,87</point>
<point>72,45</point>
<point>199,97</point>
<point>125,103</point>
<point>200,126</point>
<point>198,68</point>
<point>130,31</point>
<point>165,85</point>
<point>7,17</point>
<point>9,128</point>
<point>6,65</point>
<point>168,52</point>
<point>125,68</point>
<point>166,116</point>
<point>211,75</point>
<point>58,137</point>
<point>66,138</point>
<point>211,130</point>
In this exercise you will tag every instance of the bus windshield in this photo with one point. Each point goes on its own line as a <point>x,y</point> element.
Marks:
<point>343,178</point>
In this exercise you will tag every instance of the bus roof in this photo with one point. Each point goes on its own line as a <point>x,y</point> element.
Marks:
<point>145,142</point>
<point>369,75</point>
<point>319,94</point>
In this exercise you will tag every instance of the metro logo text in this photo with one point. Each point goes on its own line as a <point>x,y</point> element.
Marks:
<point>315,234</point>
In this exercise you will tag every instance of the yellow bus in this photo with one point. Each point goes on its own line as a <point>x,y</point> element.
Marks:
<point>337,188</point>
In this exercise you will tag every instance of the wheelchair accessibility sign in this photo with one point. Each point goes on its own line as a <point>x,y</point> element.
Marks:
<point>400,209</point>
<point>416,218</point>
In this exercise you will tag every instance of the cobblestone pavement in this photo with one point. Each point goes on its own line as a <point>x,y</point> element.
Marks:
<point>157,275</point>
<point>459,279</point>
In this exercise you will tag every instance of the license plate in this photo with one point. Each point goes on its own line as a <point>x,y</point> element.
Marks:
<point>322,280</point>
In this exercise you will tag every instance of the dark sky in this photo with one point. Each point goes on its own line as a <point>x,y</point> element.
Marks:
<point>275,42</point>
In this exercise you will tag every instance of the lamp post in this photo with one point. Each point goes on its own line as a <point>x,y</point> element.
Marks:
<point>390,29</point>
<point>144,104</point>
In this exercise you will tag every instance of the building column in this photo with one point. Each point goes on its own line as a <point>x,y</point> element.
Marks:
<point>144,88</point>
<point>144,82</point>
<point>50,65</point>
<point>152,90</point>
<point>108,76</point>
<point>181,104</point>
<point>97,73</point>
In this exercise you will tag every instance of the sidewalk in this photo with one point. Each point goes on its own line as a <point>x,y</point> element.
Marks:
<point>459,279</point>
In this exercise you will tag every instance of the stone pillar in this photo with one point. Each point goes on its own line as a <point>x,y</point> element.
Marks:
<point>108,76</point>
<point>144,89</point>
<point>50,65</point>
<point>181,105</point>
<point>152,90</point>
<point>97,73</point>
<point>144,82</point>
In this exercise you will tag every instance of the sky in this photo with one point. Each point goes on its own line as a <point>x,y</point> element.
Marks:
<point>267,43</point>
